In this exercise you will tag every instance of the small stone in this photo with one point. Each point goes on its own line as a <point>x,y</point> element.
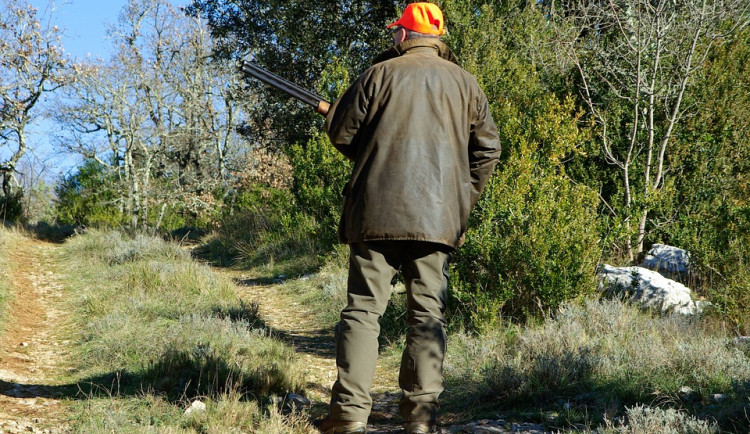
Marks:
<point>688,395</point>
<point>298,401</point>
<point>718,397</point>
<point>24,344</point>
<point>195,407</point>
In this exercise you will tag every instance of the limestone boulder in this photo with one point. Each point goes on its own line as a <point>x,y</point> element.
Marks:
<point>648,289</point>
<point>667,260</point>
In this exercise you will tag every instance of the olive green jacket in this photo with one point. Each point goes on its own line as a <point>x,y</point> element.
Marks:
<point>419,131</point>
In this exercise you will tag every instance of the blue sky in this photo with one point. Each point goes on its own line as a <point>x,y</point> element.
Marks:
<point>84,24</point>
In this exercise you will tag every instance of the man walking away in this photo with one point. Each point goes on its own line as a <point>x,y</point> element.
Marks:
<point>423,142</point>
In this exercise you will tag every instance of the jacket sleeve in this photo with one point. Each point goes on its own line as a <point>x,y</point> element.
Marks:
<point>345,117</point>
<point>484,147</point>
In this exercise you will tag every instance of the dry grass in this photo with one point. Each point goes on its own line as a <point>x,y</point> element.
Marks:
<point>589,361</point>
<point>156,330</point>
<point>8,238</point>
<point>649,420</point>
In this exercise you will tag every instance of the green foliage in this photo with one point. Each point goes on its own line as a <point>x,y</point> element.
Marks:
<point>86,197</point>
<point>532,245</point>
<point>320,172</point>
<point>532,240</point>
<point>712,186</point>
<point>296,40</point>
<point>11,207</point>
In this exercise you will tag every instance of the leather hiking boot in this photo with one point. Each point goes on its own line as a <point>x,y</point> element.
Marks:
<point>419,427</point>
<point>328,425</point>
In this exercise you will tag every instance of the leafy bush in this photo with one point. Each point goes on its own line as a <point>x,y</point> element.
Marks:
<point>11,208</point>
<point>86,198</point>
<point>320,172</point>
<point>712,212</point>
<point>532,242</point>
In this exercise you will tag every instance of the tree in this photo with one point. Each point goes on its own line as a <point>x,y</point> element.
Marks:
<point>297,40</point>
<point>636,62</point>
<point>31,64</point>
<point>160,115</point>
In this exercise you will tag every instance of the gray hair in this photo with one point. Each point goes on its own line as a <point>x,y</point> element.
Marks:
<point>411,34</point>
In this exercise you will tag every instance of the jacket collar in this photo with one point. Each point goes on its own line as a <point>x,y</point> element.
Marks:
<point>398,50</point>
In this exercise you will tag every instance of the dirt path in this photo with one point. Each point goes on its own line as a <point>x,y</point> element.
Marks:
<point>31,346</point>
<point>293,323</point>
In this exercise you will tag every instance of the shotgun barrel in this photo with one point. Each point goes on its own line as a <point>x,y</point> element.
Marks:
<point>307,97</point>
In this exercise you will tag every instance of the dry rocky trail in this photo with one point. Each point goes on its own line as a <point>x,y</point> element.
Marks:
<point>34,351</point>
<point>33,347</point>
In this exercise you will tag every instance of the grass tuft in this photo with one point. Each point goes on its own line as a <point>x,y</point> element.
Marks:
<point>649,420</point>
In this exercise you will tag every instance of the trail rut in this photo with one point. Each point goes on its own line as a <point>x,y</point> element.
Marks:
<point>32,346</point>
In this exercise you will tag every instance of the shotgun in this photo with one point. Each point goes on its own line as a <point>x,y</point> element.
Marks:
<point>252,69</point>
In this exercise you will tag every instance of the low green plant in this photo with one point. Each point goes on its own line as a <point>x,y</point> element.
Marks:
<point>649,420</point>
<point>150,319</point>
<point>532,245</point>
<point>320,173</point>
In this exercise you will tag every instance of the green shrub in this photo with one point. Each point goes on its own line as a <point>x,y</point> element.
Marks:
<point>320,172</point>
<point>11,208</point>
<point>87,197</point>
<point>532,244</point>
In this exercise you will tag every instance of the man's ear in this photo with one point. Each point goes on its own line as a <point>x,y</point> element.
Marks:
<point>400,35</point>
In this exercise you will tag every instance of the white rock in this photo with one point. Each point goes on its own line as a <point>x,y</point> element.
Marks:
<point>195,407</point>
<point>648,289</point>
<point>667,260</point>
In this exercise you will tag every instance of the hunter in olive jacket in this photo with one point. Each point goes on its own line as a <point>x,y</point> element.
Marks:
<point>419,131</point>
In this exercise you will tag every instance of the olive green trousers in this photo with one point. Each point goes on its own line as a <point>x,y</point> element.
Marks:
<point>372,266</point>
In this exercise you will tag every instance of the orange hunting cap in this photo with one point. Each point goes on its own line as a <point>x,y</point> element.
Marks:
<point>422,17</point>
